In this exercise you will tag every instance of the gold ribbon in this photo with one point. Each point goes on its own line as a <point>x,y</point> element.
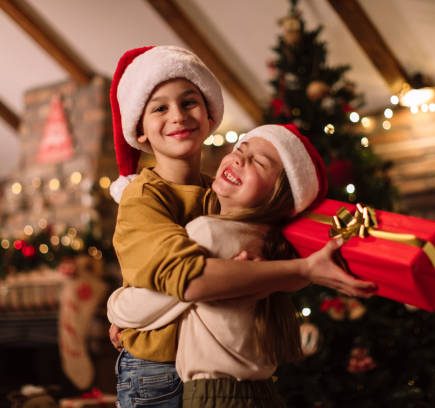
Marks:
<point>363,223</point>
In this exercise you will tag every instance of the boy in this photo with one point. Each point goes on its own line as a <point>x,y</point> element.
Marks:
<point>165,101</point>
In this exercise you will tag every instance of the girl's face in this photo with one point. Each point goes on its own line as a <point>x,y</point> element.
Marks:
<point>246,177</point>
<point>175,120</point>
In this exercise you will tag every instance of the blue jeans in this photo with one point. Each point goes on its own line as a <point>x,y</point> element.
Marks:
<point>142,383</point>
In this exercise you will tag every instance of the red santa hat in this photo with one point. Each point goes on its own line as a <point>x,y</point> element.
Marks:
<point>302,163</point>
<point>138,72</point>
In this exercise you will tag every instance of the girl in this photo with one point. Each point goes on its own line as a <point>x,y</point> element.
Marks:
<point>228,349</point>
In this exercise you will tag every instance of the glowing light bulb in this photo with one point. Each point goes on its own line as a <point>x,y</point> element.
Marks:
<point>16,188</point>
<point>218,140</point>
<point>394,100</point>
<point>231,136</point>
<point>350,189</point>
<point>54,184</point>
<point>354,117</point>
<point>329,129</point>
<point>365,141</point>
<point>306,311</point>
<point>104,182</point>
<point>209,141</point>
<point>28,230</point>
<point>388,113</point>
<point>386,124</point>
<point>76,177</point>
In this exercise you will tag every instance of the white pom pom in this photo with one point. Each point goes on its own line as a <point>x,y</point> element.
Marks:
<point>118,186</point>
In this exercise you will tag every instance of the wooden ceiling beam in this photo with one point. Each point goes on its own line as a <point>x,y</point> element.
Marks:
<point>369,38</point>
<point>178,21</point>
<point>9,116</point>
<point>36,27</point>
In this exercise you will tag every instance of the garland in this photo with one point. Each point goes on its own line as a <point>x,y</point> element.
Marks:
<point>49,248</point>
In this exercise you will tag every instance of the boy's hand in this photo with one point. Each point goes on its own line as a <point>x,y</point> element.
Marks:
<point>114,333</point>
<point>246,256</point>
<point>320,269</point>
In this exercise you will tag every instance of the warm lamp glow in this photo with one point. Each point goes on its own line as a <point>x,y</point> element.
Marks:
<point>417,97</point>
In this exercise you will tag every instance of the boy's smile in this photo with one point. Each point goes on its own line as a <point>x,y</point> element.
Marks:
<point>182,133</point>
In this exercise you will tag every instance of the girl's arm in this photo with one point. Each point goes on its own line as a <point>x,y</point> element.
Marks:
<point>223,279</point>
<point>142,308</point>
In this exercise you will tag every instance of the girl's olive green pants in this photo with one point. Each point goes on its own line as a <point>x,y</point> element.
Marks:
<point>228,393</point>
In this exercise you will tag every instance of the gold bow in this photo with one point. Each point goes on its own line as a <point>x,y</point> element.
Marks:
<point>364,223</point>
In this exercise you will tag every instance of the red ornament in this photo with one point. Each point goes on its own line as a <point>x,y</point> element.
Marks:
<point>360,361</point>
<point>335,307</point>
<point>347,108</point>
<point>18,244</point>
<point>340,172</point>
<point>84,291</point>
<point>278,106</point>
<point>28,251</point>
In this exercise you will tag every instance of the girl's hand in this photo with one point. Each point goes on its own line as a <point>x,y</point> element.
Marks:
<point>114,333</point>
<point>320,269</point>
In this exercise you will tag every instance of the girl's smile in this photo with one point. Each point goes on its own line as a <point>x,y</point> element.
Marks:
<point>231,177</point>
<point>246,177</point>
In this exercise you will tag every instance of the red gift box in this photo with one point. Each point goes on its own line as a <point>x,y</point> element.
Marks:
<point>403,271</point>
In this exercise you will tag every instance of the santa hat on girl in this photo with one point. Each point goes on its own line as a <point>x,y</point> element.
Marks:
<point>138,72</point>
<point>302,163</point>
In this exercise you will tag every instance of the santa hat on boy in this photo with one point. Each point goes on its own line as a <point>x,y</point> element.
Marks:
<point>302,163</point>
<point>138,72</point>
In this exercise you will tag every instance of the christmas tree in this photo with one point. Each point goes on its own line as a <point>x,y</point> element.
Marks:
<point>359,353</point>
<point>323,103</point>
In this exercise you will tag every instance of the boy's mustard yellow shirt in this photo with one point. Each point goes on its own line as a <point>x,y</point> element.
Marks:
<point>154,251</point>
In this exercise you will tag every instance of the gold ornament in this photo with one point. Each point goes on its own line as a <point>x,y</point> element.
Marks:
<point>291,27</point>
<point>355,308</point>
<point>317,90</point>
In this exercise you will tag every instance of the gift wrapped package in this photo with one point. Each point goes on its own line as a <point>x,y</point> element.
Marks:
<point>394,251</point>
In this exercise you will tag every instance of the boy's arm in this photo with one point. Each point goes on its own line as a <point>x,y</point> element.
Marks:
<point>143,308</point>
<point>155,252</point>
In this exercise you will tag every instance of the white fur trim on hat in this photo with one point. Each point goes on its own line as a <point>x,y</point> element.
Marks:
<point>297,162</point>
<point>118,186</point>
<point>153,67</point>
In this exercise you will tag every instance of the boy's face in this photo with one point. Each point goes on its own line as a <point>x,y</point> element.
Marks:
<point>175,121</point>
<point>246,177</point>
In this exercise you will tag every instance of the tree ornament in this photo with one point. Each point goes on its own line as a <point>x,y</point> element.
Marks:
<point>335,307</point>
<point>328,104</point>
<point>291,81</point>
<point>291,29</point>
<point>355,309</point>
<point>277,106</point>
<point>317,90</point>
<point>340,172</point>
<point>360,361</point>
<point>310,338</point>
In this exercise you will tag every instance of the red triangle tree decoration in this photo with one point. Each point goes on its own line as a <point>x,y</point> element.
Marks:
<point>56,144</point>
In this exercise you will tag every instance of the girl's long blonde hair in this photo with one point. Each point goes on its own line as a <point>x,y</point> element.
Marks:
<point>277,332</point>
